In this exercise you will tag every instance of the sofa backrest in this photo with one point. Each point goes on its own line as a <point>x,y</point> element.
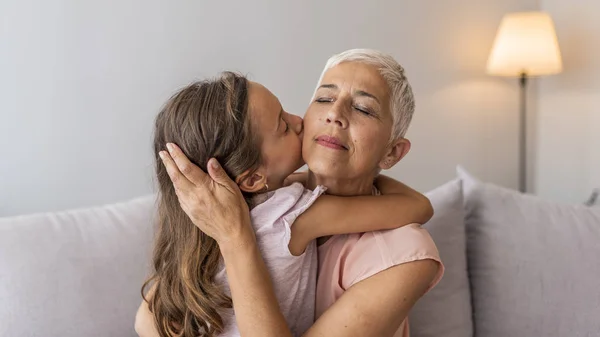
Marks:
<point>75,273</point>
<point>533,264</point>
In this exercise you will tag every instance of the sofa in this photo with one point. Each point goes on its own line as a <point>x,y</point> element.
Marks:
<point>516,266</point>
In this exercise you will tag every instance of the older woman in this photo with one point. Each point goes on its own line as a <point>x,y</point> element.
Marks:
<point>353,128</point>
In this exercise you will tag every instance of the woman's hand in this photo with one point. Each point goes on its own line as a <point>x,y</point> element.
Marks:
<point>213,201</point>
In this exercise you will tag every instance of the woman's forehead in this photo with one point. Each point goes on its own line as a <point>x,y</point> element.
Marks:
<point>357,76</point>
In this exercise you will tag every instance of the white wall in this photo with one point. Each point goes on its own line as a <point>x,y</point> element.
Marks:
<point>81,82</point>
<point>569,106</point>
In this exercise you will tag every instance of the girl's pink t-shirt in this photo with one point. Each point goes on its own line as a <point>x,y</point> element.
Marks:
<point>345,260</point>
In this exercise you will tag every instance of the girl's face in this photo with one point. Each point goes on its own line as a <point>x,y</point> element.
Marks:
<point>280,134</point>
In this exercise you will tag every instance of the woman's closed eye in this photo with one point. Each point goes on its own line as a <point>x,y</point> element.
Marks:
<point>360,108</point>
<point>363,110</point>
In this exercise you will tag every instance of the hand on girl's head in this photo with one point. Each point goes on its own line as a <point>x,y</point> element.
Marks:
<point>213,201</point>
<point>182,172</point>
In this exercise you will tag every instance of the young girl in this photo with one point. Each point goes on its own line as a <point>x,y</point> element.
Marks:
<point>243,126</point>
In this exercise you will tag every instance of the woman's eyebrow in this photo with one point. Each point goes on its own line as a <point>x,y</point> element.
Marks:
<point>357,92</point>
<point>366,94</point>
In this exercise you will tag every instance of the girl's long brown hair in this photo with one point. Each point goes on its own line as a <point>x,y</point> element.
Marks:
<point>205,119</point>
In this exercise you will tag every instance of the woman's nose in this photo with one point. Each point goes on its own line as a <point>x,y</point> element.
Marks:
<point>336,115</point>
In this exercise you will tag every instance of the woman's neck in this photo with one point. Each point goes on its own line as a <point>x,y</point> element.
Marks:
<point>341,187</point>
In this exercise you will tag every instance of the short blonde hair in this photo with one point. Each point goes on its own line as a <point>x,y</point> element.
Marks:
<point>402,101</point>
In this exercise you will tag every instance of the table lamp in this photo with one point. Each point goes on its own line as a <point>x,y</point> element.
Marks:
<point>525,45</point>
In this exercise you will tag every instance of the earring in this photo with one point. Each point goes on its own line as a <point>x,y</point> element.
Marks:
<point>266,188</point>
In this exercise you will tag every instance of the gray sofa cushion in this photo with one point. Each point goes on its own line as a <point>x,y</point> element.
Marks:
<point>534,265</point>
<point>446,309</point>
<point>75,273</point>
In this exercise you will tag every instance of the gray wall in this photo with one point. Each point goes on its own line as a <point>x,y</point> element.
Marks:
<point>569,106</point>
<point>81,82</point>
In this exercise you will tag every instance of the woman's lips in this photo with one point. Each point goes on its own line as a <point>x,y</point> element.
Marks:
<point>331,142</point>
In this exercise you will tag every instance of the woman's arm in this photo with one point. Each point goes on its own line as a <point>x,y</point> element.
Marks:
<point>330,215</point>
<point>372,307</point>
<point>257,311</point>
<point>377,305</point>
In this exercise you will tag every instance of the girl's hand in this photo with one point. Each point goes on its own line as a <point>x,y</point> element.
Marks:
<point>297,177</point>
<point>213,201</point>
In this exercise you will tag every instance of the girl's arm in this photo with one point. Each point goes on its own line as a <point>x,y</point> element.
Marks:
<point>144,321</point>
<point>399,205</point>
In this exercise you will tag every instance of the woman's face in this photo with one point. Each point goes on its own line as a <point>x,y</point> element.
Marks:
<point>280,133</point>
<point>348,125</point>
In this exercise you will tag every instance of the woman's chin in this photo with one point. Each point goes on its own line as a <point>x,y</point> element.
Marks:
<point>324,168</point>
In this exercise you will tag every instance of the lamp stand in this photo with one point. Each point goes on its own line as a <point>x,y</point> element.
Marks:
<point>523,134</point>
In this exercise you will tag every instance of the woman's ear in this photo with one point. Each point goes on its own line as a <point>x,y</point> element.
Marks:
<point>395,152</point>
<point>251,182</point>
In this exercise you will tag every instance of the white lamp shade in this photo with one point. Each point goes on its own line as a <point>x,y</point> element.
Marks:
<point>526,43</point>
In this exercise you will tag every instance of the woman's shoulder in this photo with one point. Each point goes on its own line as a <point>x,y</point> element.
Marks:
<point>388,245</point>
<point>367,254</point>
<point>411,239</point>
